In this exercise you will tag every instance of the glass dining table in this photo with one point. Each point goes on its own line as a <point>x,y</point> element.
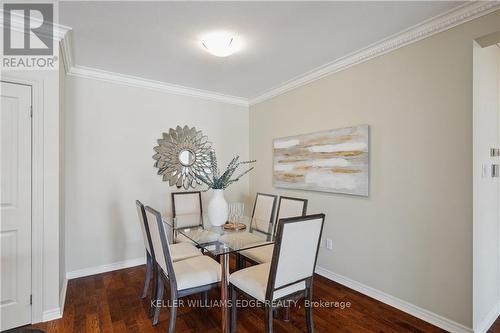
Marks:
<point>219,242</point>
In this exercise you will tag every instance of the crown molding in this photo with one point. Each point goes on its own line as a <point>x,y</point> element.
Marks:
<point>138,82</point>
<point>430,27</point>
<point>134,81</point>
<point>66,45</point>
<point>17,24</point>
<point>427,28</point>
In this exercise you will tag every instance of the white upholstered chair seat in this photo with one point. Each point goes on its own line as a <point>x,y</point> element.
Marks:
<point>196,271</point>
<point>181,251</point>
<point>185,277</point>
<point>253,281</point>
<point>262,254</point>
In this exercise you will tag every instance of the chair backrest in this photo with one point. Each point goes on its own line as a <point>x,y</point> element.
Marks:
<point>144,227</point>
<point>290,207</point>
<point>295,251</point>
<point>187,209</point>
<point>159,242</point>
<point>263,213</point>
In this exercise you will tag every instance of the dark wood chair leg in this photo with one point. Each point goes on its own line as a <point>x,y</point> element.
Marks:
<point>204,298</point>
<point>269,319</point>
<point>158,300</point>
<point>286,313</point>
<point>173,312</point>
<point>308,308</point>
<point>238,261</point>
<point>149,268</point>
<point>234,309</point>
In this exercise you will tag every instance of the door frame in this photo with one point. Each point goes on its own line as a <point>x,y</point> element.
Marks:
<point>37,195</point>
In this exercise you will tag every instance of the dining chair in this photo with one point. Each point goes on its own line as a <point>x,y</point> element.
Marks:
<point>262,220</point>
<point>288,276</point>
<point>263,214</point>
<point>179,251</point>
<point>185,277</point>
<point>147,241</point>
<point>187,211</point>
<point>287,207</point>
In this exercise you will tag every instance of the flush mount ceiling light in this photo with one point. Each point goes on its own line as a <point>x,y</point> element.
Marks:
<point>221,43</point>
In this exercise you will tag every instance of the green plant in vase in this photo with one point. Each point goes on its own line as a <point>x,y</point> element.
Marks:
<point>218,207</point>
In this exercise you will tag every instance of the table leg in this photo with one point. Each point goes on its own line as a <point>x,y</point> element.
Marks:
<point>224,291</point>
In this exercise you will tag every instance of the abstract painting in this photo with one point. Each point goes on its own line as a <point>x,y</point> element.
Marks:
<point>330,161</point>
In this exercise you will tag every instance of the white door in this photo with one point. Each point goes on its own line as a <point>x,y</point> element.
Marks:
<point>15,198</point>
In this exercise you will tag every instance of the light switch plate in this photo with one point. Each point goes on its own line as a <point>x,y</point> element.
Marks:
<point>495,170</point>
<point>329,244</point>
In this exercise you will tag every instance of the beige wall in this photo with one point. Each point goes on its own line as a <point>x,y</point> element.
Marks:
<point>412,238</point>
<point>110,134</point>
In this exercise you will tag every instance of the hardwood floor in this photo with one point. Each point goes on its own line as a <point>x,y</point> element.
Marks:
<point>495,328</point>
<point>110,302</point>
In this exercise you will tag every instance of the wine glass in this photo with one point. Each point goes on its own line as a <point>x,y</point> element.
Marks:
<point>239,212</point>
<point>231,211</point>
<point>235,214</point>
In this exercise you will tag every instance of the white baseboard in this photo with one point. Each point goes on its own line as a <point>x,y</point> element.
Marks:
<point>105,268</point>
<point>57,313</point>
<point>404,306</point>
<point>51,314</point>
<point>62,297</point>
<point>485,325</point>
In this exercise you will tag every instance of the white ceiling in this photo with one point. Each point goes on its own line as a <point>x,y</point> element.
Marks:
<point>159,40</point>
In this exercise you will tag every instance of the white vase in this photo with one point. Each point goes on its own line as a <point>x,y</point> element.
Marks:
<point>218,210</point>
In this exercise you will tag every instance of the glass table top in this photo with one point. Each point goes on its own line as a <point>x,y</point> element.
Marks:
<point>215,240</point>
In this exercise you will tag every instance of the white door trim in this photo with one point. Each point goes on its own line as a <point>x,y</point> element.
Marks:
<point>37,221</point>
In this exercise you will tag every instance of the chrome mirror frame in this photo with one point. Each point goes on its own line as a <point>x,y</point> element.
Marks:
<point>168,156</point>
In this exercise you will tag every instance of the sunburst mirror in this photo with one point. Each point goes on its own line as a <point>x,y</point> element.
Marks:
<point>182,153</point>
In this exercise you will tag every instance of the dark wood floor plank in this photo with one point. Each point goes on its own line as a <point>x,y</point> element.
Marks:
<point>110,302</point>
<point>92,323</point>
<point>495,328</point>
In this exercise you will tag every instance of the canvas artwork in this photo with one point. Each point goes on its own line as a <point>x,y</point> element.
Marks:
<point>330,161</point>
